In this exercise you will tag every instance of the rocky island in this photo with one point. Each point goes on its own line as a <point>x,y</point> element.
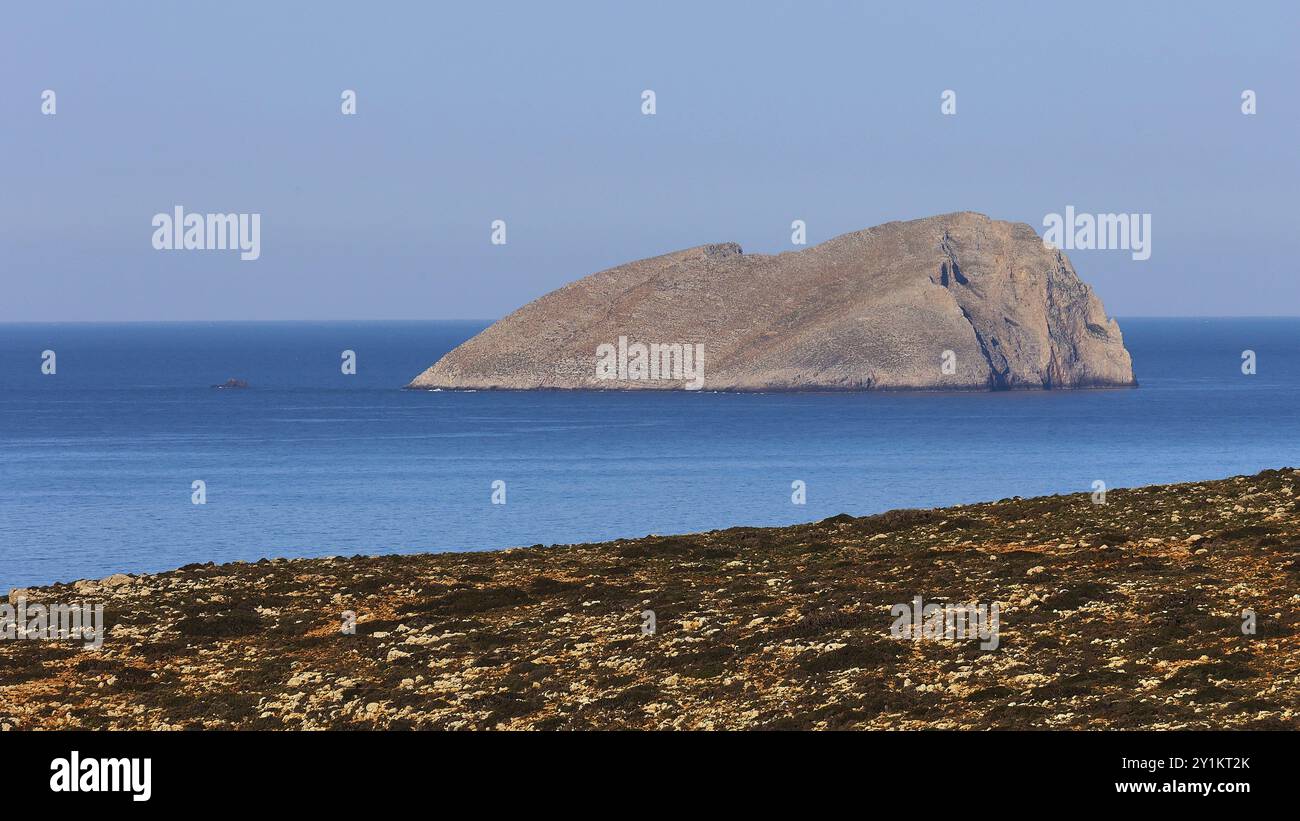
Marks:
<point>951,302</point>
<point>1166,607</point>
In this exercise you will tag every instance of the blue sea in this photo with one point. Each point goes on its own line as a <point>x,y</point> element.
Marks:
<point>97,460</point>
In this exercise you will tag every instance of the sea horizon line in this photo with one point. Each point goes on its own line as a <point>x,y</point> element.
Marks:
<point>10,322</point>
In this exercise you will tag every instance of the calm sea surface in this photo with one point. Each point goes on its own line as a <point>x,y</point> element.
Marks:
<point>97,461</point>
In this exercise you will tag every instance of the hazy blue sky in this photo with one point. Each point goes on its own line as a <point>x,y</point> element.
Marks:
<point>767,112</point>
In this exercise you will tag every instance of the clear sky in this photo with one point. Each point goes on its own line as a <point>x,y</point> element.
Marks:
<point>531,113</point>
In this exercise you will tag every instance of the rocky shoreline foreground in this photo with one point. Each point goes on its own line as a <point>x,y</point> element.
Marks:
<point>1127,614</point>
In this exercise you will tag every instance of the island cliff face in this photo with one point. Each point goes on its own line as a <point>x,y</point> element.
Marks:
<point>957,301</point>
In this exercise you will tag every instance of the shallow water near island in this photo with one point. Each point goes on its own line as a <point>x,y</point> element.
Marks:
<point>97,461</point>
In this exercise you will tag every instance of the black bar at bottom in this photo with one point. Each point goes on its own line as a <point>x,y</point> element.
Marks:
<point>632,771</point>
